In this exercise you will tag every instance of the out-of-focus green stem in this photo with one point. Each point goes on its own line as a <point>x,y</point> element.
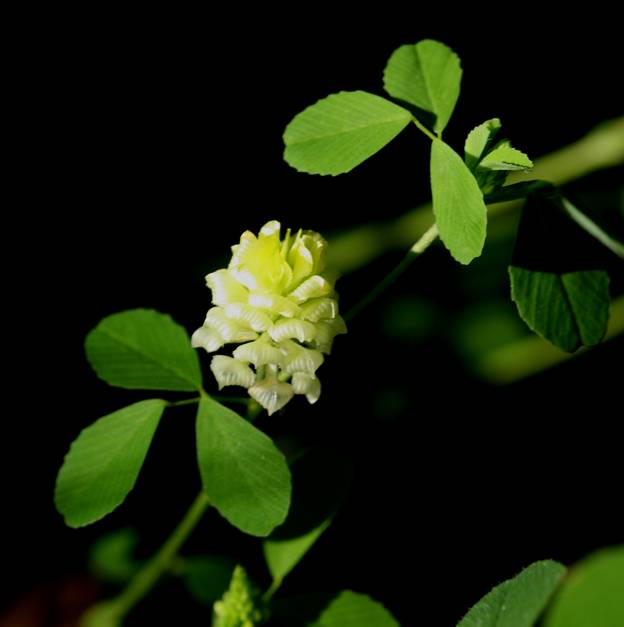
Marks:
<point>602,148</point>
<point>430,236</point>
<point>111,613</point>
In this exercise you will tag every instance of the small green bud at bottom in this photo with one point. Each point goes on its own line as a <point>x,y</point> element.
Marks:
<point>241,605</point>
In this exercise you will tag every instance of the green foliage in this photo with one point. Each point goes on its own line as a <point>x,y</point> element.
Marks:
<point>517,602</point>
<point>457,204</point>
<point>593,594</point>
<point>569,309</point>
<point>320,481</point>
<point>283,555</point>
<point>110,557</point>
<point>504,157</point>
<point>350,609</point>
<point>490,158</point>
<point>426,75</point>
<point>341,131</point>
<point>207,577</point>
<point>479,141</point>
<point>104,461</point>
<point>244,475</point>
<point>143,349</point>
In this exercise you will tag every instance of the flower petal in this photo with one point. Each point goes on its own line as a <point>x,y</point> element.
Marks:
<point>208,338</point>
<point>241,250</point>
<point>287,328</point>
<point>308,384</point>
<point>230,330</point>
<point>320,309</point>
<point>244,313</point>
<point>229,371</point>
<point>297,358</point>
<point>225,288</point>
<point>313,287</point>
<point>317,245</point>
<point>326,331</point>
<point>301,261</point>
<point>258,353</point>
<point>271,394</point>
<point>271,229</point>
<point>275,304</point>
<point>258,264</point>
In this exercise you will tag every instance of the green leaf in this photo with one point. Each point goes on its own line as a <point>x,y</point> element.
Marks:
<point>207,577</point>
<point>283,555</point>
<point>457,204</point>
<point>593,594</point>
<point>427,75</point>
<point>111,556</point>
<point>244,475</point>
<point>350,609</point>
<point>489,162</point>
<point>569,309</point>
<point>479,140</point>
<point>320,479</point>
<point>104,461</point>
<point>504,157</point>
<point>145,350</point>
<point>517,602</point>
<point>341,131</point>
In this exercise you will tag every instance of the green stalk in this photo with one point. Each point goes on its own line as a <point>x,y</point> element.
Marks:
<point>112,612</point>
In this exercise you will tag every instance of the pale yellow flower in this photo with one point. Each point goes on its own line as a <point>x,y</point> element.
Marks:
<point>275,302</point>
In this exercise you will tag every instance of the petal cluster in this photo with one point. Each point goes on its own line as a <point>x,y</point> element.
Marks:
<point>274,301</point>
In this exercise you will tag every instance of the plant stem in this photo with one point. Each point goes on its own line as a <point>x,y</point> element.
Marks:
<point>238,400</point>
<point>601,148</point>
<point>186,401</point>
<point>273,588</point>
<point>415,251</point>
<point>161,562</point>
<point>424,129</point>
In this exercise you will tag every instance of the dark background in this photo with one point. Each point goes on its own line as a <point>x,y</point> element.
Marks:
<point>148,142</point>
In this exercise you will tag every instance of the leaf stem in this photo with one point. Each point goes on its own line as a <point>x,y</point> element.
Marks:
<point>153,570</point>
<point>423,128</point>
<point>238,400</point>
<point>186,401</point>
<point>415,251</point>
<point>272,589</point>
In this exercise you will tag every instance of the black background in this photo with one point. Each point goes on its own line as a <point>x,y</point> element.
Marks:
<point>147,142</point>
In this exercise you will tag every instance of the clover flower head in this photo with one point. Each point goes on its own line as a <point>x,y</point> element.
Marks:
<point>274,301</point>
